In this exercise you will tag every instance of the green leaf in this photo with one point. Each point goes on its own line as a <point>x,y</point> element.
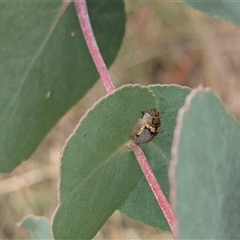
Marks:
<point>98,170</point>
<point>46,67</point>
<point>227,10</point>
<point>37,227</point>
<point>99,174</point>
<point>206,170</point>
<point>141,204</point>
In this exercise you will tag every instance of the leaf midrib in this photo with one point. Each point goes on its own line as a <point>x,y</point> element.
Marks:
<point>95,171</point>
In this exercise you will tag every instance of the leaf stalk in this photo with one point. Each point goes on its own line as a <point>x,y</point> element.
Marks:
<point>154,185</point>
<point>85,23</point>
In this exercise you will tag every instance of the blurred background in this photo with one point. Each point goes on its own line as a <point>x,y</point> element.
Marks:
<point>165,43</point>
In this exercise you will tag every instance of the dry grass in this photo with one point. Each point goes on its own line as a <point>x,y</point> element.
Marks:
<point>164,43</point>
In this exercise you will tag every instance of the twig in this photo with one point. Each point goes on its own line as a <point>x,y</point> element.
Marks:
<point>84,20</point>
<point>103,72</point>
<point>155,187</point>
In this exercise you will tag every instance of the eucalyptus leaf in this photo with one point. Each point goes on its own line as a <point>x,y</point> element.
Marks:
<point>37,227</point>
<point>46,67</point>
<point>226,10</point>
<point>207,170</point>
<point>98,170</point>
<point>100,174</point>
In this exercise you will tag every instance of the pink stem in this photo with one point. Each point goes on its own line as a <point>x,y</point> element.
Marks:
<point>155,187</point>
<point>103,72</point>
<point>84,20</point>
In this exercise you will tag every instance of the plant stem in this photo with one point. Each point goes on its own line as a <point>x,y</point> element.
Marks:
<point>84,20</point>
<point>107,82</point>
<point>153,183</point>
